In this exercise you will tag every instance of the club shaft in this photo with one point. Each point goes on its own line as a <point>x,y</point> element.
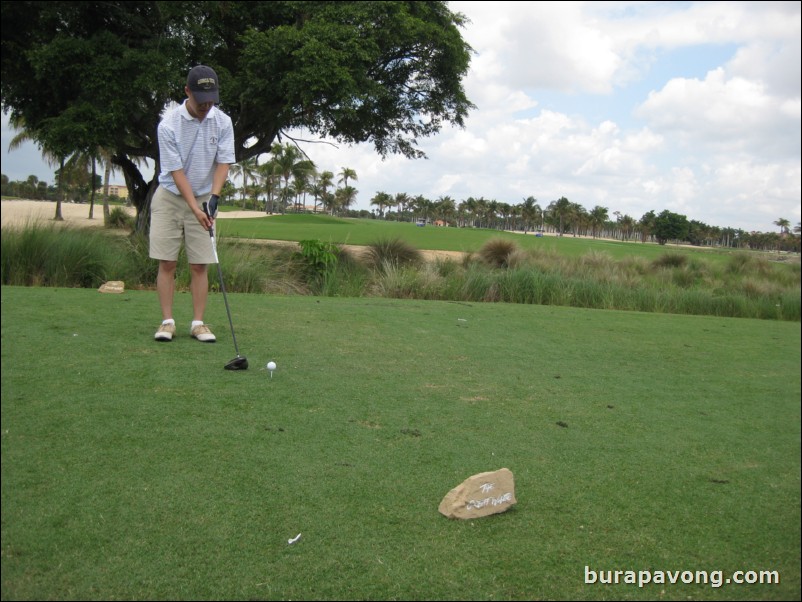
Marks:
<point>223,289</point>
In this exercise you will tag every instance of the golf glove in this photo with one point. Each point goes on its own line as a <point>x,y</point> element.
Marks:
<point>213,205</point>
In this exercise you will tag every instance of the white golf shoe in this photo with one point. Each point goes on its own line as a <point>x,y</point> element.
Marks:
<point>203,334</point>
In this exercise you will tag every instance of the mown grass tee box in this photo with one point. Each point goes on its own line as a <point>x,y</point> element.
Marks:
<point>133,469</point>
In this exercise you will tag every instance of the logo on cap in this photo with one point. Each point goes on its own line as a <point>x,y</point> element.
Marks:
<point>202,80</point>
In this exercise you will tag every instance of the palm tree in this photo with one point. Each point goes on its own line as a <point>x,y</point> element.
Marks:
<point>92,192</point>
<point>300,182</point>
<point>401,201</point>
<point>51,156</point>
<point>627,223</point>
<point>481,212</point>
<point>329,200</point>
<point>325,180</point>
<point>598,216</point>
<point>32,183</point>
<point>381,200</point>
<point>108,168</point>
<point>271,182</point>
<point>345,197</point>
<point>784,225</point>
<point>505,210</point>
<point>248,168</point>
<point>302,172</point>
<point>346,173</point>
<point>560,210</point>
<point>87,162</point>
<point>491,209</point>
<point>579,219</point>
<point>423,207</point>
<point>531,213</point>
<point>445,208</point>
<point>235,170</point>
<point>288,163</point>
<point>80,174</point>
<point>228,191</point>
<point>646,224</point>
<point>469,210</point>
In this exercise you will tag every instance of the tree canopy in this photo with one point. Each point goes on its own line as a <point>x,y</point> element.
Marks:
<point>670,226</point>
<point>88,75</point>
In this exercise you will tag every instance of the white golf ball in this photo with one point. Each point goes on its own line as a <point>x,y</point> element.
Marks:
<point>271,365</point>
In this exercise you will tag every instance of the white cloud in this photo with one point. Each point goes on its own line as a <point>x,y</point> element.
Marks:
<point>774,63</point>
<point>723,115</point>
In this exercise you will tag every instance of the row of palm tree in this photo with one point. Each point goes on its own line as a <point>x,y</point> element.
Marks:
<point>563,217</point>
<point>560,216</point>
<point>285,180</point>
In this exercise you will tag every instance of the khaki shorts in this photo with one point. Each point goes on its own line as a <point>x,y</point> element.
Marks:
<point>171,223</point>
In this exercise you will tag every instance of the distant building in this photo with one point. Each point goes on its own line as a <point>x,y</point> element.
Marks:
<point>118,190</point>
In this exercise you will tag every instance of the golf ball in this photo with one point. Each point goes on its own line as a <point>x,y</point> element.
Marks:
<point>271,365</point>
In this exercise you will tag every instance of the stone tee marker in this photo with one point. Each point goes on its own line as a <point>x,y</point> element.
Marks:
<point>481,495</point>
<point>112,286</point>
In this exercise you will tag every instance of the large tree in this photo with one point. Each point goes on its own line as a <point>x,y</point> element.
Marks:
<point>670,226</point>
<point>89,75</point>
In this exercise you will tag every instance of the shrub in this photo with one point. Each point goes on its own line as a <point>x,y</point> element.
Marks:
<point>396,282</point>
<point>348,279</point>
<point>497,252</point>
<point>120,218</point>
<point>597,261</point>
<point>393,252</point>
<point>744,263</point>
<point>670,260</point>
<point>318,259</point>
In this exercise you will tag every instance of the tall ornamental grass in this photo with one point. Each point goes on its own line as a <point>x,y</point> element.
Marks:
<point>741,285</point>
<point>47,255</point>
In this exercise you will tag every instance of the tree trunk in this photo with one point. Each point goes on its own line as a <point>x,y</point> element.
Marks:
<point>140,192</point>
<point>92,194</point>
<point>58,217</point>
<point>106,177</point>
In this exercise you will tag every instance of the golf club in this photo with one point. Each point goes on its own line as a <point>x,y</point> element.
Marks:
<point>239,362</point>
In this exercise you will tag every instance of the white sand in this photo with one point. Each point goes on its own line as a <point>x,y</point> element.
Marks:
<point>74,214</point>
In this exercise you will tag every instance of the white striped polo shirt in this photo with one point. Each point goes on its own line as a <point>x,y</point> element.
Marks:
<point>194,146</point>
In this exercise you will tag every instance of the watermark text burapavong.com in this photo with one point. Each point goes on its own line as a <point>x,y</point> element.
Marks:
<point>715,579</point>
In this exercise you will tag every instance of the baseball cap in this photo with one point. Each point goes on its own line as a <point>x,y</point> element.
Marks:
<point>202,82</point>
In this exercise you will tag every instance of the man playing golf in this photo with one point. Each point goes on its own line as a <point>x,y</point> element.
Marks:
<point>196,147</point>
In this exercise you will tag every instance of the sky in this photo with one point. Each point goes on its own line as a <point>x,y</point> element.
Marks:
<point>693,107</point>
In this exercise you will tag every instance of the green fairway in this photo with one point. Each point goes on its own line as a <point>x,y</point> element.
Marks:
<point>366,231</point>
<point>138,470</point>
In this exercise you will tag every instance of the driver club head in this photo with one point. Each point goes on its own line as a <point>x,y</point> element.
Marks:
<point>238,363</point>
